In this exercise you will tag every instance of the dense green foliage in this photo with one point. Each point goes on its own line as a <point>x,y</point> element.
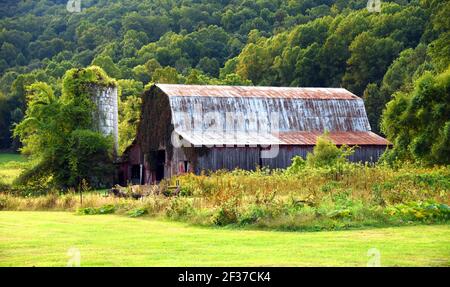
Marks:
<point>284,42</point>
<point>419,121</point>
<point>58,134</point>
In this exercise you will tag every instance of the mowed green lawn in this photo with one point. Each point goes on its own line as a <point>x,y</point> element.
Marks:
<point>44,238</point>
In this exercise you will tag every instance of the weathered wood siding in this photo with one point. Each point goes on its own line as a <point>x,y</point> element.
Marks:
<point>285,154</point>
<point>248,158</point>
<point>369,154</point>
<point>228,158</point>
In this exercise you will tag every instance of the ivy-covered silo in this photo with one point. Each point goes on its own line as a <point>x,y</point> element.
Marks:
<point>91,87</point>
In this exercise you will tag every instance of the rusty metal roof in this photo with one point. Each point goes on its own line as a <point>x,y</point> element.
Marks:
<point>339,138</point>
<point>302,114</point>
<point>221,138</point>
<point>173,90</point>
<point>211,138</point>
<point>254,114</point>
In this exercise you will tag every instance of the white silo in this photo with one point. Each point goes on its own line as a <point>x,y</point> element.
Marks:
<point>106,117</point>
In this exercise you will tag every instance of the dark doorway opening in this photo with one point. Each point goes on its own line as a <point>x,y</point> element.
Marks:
<point>121,178</point>
<point>136,174</point>
<point>160,160</point>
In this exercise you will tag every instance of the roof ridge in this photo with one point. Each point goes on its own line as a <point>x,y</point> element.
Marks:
<point>181,90</point>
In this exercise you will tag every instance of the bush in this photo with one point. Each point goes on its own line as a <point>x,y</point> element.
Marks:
<point>329,186</point>
<point>326,153</point>
<point>420,211</point>
<point>298,164</point>
<point>227,213</point>
<point>87,211</point>
<point>180,208</point>
<point>105,209</point>
<point>137,212</point>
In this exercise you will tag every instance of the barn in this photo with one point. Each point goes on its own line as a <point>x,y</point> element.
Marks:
<point>191,128</point>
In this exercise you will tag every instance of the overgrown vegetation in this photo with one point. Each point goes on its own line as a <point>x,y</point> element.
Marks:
<point>312,199</point>
<point>419,121</point>
<point>59,135</point>
<point>309,195</point>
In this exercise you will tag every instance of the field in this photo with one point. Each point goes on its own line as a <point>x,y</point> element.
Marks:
<point>10,166</point>
<point>44,238</point>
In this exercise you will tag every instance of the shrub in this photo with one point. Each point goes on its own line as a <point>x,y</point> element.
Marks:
<point>254,213</point>
<point>298,164</point>
<point>186,191</point>
<point>105,209</point>
<point>329,186</point>
<point>227,213</point>
<point>340,213</point>
<point>180,208</point>
<point>420,211</point>
<point>87,211</point>
<point>326,153</point>
<point>137,212</point>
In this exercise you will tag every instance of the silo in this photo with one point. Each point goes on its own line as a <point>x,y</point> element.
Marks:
<point>106,116</point>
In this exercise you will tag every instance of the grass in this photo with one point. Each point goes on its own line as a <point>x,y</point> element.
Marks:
<point>7,157</point>
<point>44,238</point>
<point>11,165</point>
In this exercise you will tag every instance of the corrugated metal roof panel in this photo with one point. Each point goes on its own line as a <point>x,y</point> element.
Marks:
<point>173,90</point>
<point>302,115</point>
<point>212,138</point>
<point>209,138</point>
<point>255,114</point>
<point>339,138</point>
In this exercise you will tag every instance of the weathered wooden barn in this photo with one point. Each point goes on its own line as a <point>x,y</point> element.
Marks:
<point>190,128</point>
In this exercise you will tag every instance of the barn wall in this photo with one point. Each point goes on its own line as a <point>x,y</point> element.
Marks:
<point>369,154</point>
<point>248,158</point>
<point>228,158</point>
<point>285,154</point>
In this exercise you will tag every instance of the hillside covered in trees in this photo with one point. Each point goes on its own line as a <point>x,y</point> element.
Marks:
<point>399,56</point>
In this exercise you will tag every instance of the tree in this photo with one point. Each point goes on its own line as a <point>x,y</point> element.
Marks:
<point>166,75</point>
<point>209,66</point>
<point>254,61</point>
<point>370,58</point>
<point>5,120</point>
<point>107,64</point>
<point>374,102</point>
<point>418,122</point>
<point>8,52</point>
<point>58,133</point>
<point>130,88</point>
